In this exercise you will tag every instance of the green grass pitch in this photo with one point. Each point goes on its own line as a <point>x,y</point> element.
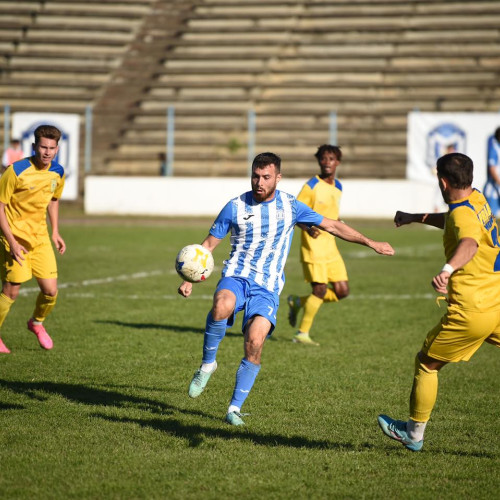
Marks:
<point>106,414</point>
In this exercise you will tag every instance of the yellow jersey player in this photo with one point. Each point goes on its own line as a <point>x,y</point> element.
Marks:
<point>322,263</point>
<point>29,189</point>
<point>470,277</point>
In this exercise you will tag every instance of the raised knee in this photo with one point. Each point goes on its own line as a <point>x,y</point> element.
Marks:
<point>341,290</point>
<point>426,364</point>
<point>12,292</point>
<point>319,290</point>
<point>222,309</point>
<point>219,313</point>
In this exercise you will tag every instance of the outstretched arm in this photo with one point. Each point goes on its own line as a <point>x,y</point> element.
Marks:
<point>312,231</point>
<point>431,219</point>
<point>465,251</point>
<point>348,233</point>
<point>210,242</point>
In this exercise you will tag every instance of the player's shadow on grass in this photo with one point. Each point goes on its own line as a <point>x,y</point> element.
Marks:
<point>195,434</point>
<point>92,396</point>
<point>10,406</point>
<point>157,326</point>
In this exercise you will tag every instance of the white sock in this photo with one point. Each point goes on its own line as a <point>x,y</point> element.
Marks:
<point>233,408</point>
<point>208,367</point>
<point>415,429</point>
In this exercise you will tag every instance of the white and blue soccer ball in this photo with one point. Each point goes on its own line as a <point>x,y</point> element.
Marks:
<point>194,263</point>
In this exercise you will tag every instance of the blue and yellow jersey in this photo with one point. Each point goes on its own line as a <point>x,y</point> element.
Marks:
<point>476,286</point>
<point>26,192</point>
<point>323,198</point>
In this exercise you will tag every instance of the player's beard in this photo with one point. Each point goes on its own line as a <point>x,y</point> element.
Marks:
<point>444,193</point>
<point>263,195</point>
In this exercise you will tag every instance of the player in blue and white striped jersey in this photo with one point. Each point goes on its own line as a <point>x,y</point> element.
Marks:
<point>261,234</point>
<point>261,224</point>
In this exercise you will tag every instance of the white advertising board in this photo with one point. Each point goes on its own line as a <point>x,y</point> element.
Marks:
<point>23,126</point>
<point>431,135</point>
<point>198,196</point>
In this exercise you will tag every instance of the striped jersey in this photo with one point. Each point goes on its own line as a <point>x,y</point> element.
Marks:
<point>261,235</point>
<point>26,191</point>
<point>491,189</point>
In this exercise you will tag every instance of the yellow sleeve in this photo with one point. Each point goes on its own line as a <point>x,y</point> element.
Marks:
<point>306,195</point>
<point>60,187</point>
<point>8,183</point>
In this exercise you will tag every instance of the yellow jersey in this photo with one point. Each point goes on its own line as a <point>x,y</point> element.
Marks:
<point>323,198</point>
<point>476,286</point>
<point>26,191</point>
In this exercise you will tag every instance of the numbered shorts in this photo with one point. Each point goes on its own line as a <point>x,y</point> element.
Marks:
<point>40,262</point>
<point>251,298</point>
<point>325,272</point>
<point>460,333</point>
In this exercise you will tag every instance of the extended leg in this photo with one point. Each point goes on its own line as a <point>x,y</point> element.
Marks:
<point>224,303</point>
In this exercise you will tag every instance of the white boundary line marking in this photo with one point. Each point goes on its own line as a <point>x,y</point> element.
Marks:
<point>99,281</point>
<point>361,254</point>
<point>150,297</point>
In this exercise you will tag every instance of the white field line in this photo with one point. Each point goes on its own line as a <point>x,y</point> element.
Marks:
<point>359,254</point>
<point>99,281</point>
<point>195,296</point>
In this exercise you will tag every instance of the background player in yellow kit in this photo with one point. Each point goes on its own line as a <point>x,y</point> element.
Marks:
<point>471,277</point>
<point>29,189</point>
<point>322,263</point>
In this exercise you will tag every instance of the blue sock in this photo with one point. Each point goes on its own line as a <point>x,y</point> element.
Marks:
<point>245,377</point>
<point>214,333</point>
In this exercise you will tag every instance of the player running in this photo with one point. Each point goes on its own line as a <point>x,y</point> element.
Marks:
<point>261,224</point>
<point>470,277</point>
<point>322,263</point>
<point>29,189</point>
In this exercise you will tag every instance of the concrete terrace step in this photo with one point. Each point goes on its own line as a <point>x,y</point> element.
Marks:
<point>238,37</point>
<point>67,49</point>
<point>89,37</point>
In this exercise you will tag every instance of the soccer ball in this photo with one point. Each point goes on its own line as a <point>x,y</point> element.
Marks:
<point>194,263</point>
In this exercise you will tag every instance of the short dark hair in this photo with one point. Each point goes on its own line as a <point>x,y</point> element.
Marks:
<point>328,148</point>
<point>264,159</point>
<point>47,131</point>
<point>457,168</point>
<point>497,134</point>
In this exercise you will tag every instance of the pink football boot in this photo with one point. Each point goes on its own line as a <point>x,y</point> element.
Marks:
<point>3,348</point>
<point>41,333</point>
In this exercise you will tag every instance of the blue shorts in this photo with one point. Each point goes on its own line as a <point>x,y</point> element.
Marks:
<point>251,298</point>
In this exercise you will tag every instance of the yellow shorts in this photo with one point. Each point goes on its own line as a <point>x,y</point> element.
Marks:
<point>325,272</point>
<point>460,333</point>
<point>40,262</point>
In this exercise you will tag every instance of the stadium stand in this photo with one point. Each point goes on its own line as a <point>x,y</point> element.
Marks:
<point>292,62</point>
